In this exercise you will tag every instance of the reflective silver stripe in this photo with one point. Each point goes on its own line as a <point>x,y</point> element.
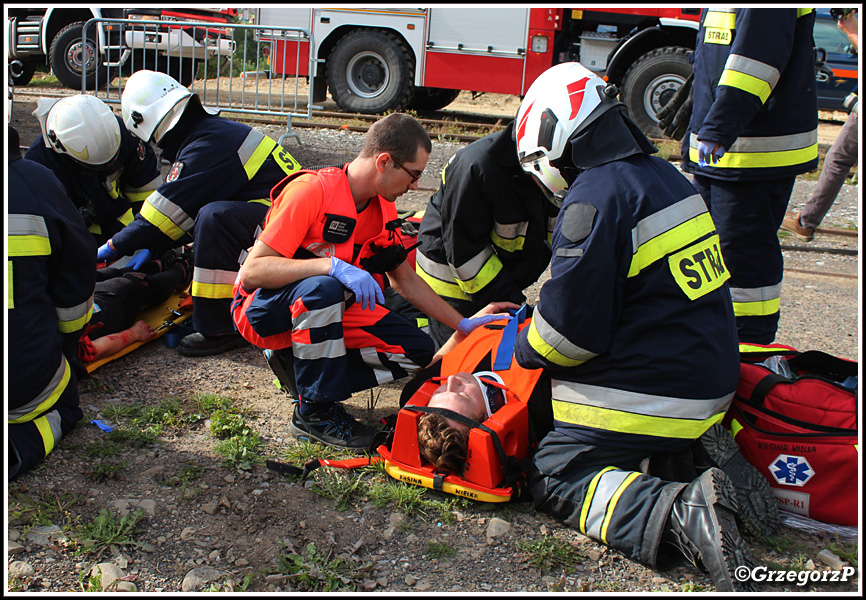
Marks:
<point>606,488</point>
<point>320,317</point>
<point>16,413</point>
<point>214,276</point>
<point>770,292</point>
<point>569,252</point>
<point>53,420</point>
<point>404,361</point>
<point>472,267</point>
<point>372,360</point>
<point>558,342</point>
<point>696,409</point>
<point>755,68</point>
<point>666,219</point>
<point>511,231</point>
<point>434,269</point>
<point>326,349</point>
<point>171,210</point>
<point>250,145</point>
<point>27,225</point>
<point>778,143</point>
<point>73,313</point>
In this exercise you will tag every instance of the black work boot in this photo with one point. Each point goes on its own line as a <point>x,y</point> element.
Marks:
<point>703,525</point>
<point>758,507</point>
<point>281,363</point>
<point>199,344</point>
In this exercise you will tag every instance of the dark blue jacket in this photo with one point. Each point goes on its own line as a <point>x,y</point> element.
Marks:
<point>635,324</point>
<point>213,159</point>
<point>755,93</point>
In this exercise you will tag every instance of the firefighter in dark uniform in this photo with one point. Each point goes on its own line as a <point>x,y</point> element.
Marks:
<point>753,129</point>
<point>107,172</point>
<point>52,272</point>
<point>485,234</point>
<point>217,191</point>
<point>635,327</point>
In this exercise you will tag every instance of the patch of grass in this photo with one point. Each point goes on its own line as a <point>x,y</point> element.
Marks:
<point>184,477</point>
<point>135,438</point>
<point>241,452</point>
<point>341,487</point>
<point>225,424</point>
<point>410,499</point>
<point>302,452</point>
<point>102,449</point>
<point>551,554</point>
<point>440,550</point>
<point>691,586</point>
<point>846,551</point>
<point>38,513</point>
<point>106,470</point>
<point>785,544</point>
<point>230,585</point>
<point>108,529</point>
<point>209,403</point>
<point>311,571</point>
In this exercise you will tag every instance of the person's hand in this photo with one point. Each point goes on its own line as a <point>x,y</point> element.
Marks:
<point>470,324</point>
<point>497,308</point>
<point>140,259</point>
<point>709,153</point>
<point>367,291</point>
<point>105,253</point>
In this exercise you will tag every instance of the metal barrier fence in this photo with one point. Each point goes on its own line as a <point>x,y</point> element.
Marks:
<point>227,65</point>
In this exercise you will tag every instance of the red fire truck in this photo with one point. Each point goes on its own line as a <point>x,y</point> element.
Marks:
<point>379,59</point>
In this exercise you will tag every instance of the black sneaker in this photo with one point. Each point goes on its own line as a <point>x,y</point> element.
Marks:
<point>759,510</point>
<point>332,426</point>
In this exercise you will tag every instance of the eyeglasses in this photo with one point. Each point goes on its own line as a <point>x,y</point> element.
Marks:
<point>415,176</point>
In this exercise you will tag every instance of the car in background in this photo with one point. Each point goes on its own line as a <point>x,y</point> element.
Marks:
<point>838,76</point>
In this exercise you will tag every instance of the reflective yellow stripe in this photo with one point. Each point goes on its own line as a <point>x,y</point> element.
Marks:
<point>757,308</point>
<point>95,229</point>
<point>488,271</point>
<point>126,218</point>
<point>442,288</point>
<point>161,221</point>
<point>447,487</point>
<point>720,20</point>
<point>265,201</point>
<point>215,291</point>
<point>47,434</point>
<point>137,197</point>
<point>509,245</point>
<point>546,351</point>
<point>29,245</point>
<point>51,395</point>
<point>802,12</point>
<point>736,427</point>
<point>670,241</point>
<point>612,505</point>
<point>10,299</point>
<point>757,160</point>
<point>622,422</point>
<point>747,83</point>
<point>587,499</point>
<point>75,325</point>
<point>285,160</point>
<point>259,156</point>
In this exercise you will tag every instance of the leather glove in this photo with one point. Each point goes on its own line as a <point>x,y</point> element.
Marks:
<point>358,281</point>
<point>709,153</point>
<point>673,118</point>
<point>105,253</point>
<point>470,324</point>
<point>139,260</point>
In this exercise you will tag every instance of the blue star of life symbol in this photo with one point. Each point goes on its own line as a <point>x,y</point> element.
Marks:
<point>791,470</point>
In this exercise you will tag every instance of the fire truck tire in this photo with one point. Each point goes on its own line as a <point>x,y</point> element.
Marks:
<point>650,82</point>
<point>427,98</point>
<point>21,71</point>
<point>371,71</point>
<point>70,53</point>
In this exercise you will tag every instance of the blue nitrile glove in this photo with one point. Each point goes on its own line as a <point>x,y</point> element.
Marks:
<point>139,260</point>
<point>709,153</point>
<point>470,324</point>
<point>105,253</point>
<point>366,290</point>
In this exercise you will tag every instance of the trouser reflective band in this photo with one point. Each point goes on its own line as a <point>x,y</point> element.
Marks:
<point>46,398</point>
<point>600,502</point>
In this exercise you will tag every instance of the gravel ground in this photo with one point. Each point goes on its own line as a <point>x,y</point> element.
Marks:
<point>231,523</point>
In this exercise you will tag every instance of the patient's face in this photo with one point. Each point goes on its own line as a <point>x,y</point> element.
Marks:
<point>462,394</point>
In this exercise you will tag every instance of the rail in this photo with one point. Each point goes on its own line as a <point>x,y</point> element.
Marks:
<point>228,65</point>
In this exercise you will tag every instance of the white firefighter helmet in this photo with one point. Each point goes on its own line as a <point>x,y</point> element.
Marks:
<point>152,103</point>
<point>82,127</point>
<point>560,103</point>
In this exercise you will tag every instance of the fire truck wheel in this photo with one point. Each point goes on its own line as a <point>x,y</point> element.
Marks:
<point>371,71</point>
<point>70,53</point>
<point>650,82</point>
<point>21,71</point>
<point>426,98</point>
